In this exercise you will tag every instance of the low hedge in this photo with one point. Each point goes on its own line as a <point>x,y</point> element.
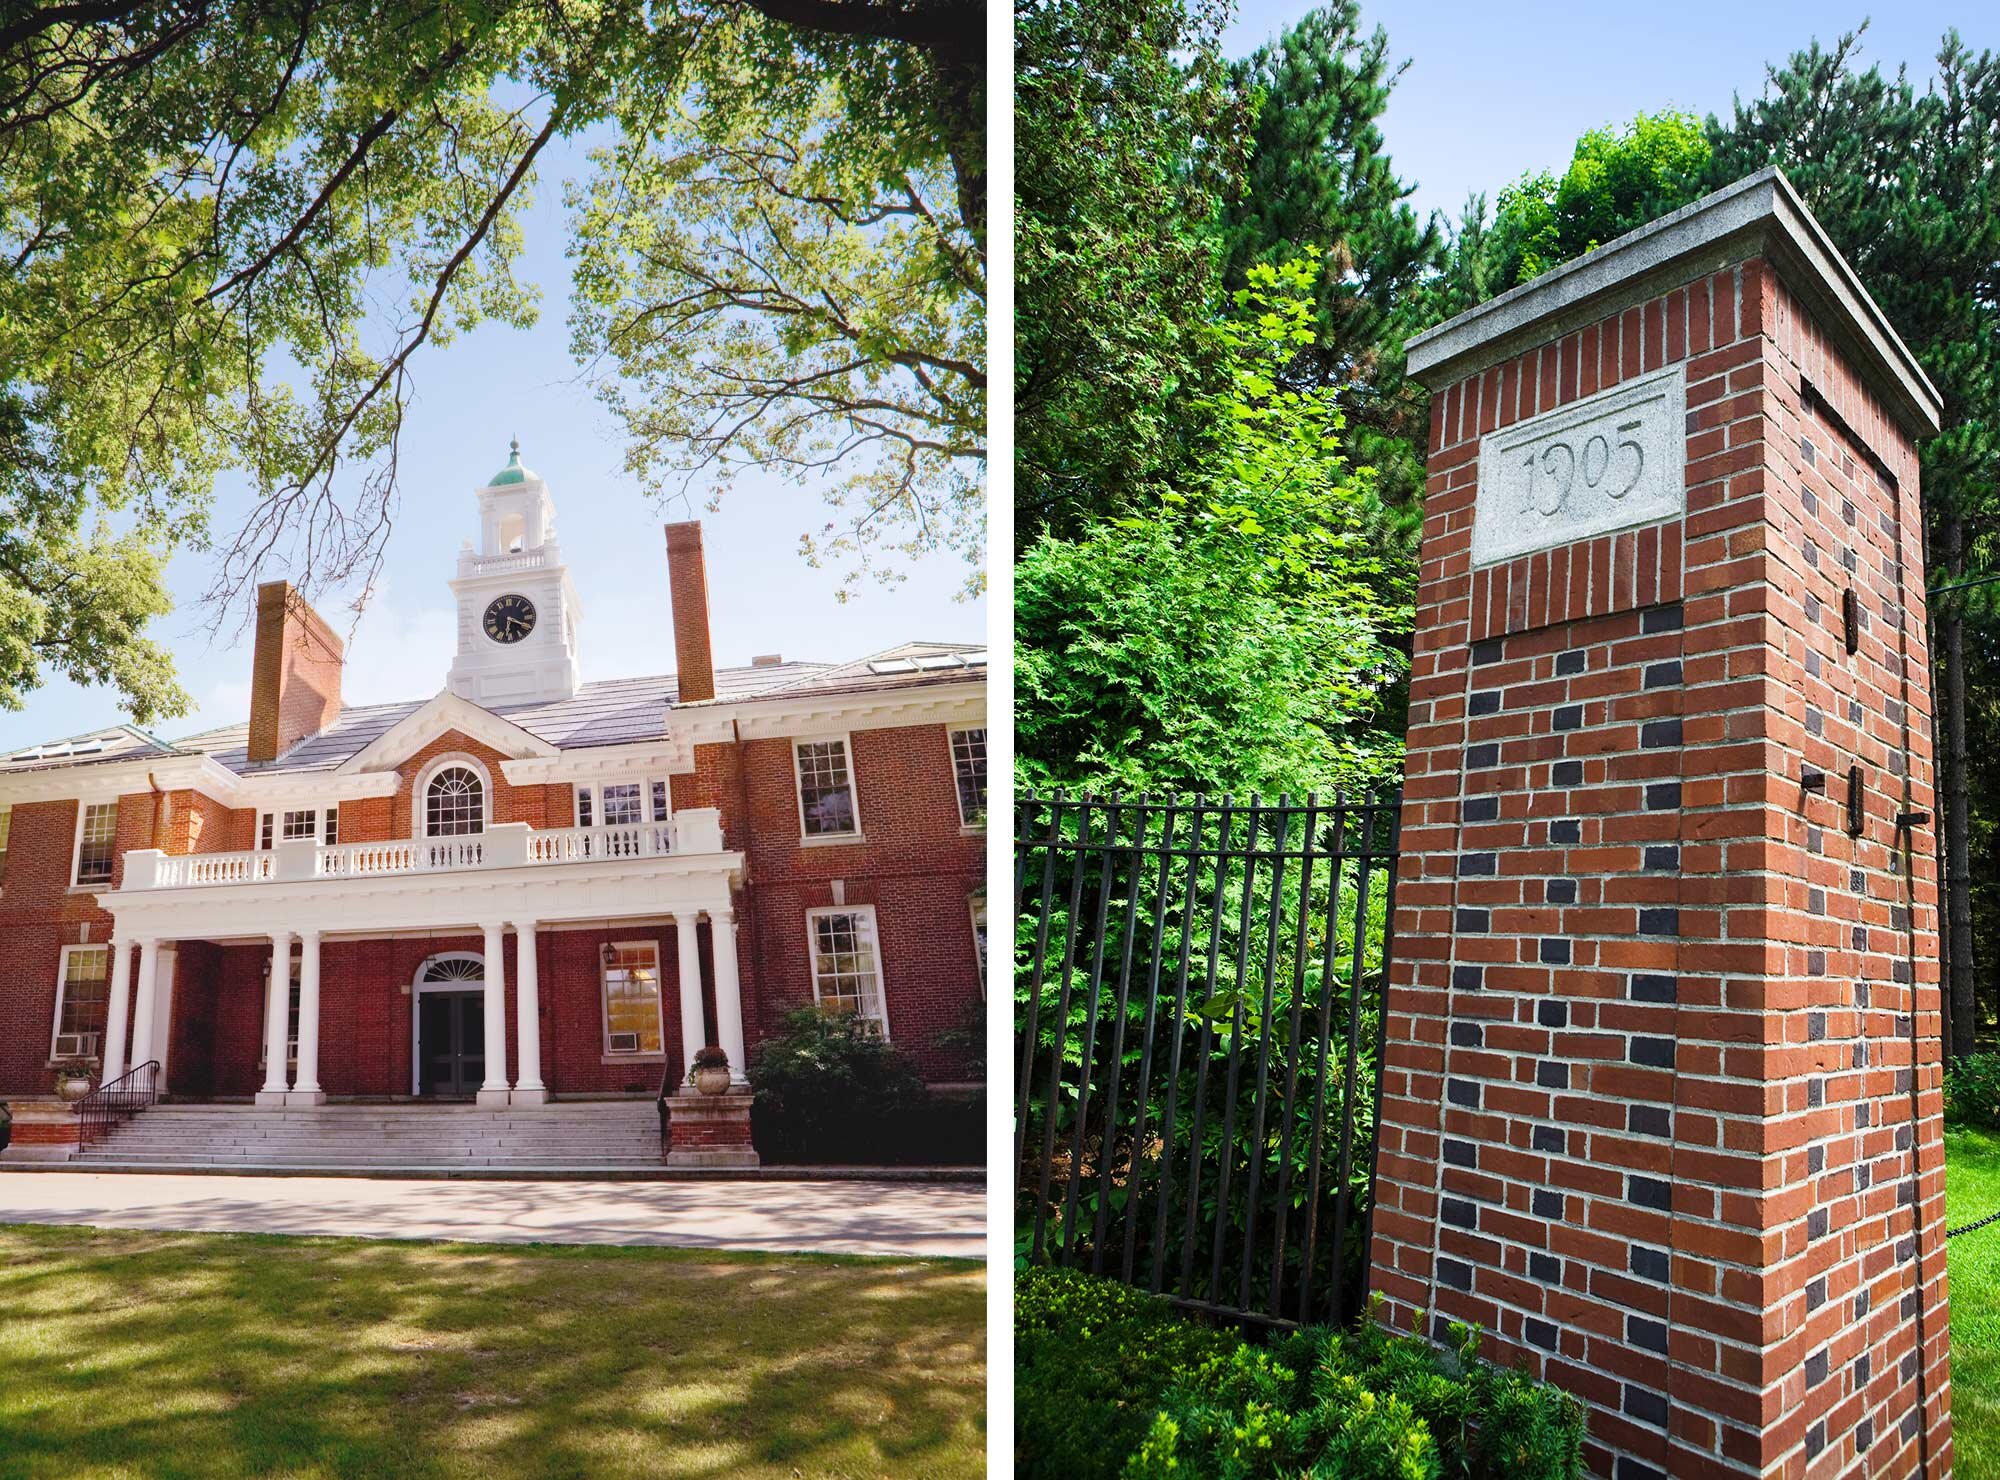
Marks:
<point>1109,1382</point>
<point>831,1090</point>
<point>1092,1360</point>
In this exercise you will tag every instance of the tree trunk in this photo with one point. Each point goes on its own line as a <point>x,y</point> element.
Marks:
<point>1957,807</point>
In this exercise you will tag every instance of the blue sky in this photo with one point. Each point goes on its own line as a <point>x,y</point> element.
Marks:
<point>1496,90</point>
<point>470,398</point>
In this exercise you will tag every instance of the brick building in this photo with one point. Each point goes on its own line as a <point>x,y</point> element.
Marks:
<point>523,888</point>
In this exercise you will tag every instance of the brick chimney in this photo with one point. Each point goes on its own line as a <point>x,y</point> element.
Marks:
<point>687,583</point>
<point>294,675</point>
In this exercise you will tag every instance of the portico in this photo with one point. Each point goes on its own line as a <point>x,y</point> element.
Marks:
<point>506,884</point>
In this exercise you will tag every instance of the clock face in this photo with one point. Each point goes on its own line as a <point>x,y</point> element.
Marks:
<point>510,618</point>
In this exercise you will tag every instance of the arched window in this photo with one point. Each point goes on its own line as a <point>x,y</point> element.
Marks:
<point>454,803</point>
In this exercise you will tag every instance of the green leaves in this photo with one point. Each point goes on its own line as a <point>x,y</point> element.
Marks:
<point>1236,636</point>
<point>775,281</point>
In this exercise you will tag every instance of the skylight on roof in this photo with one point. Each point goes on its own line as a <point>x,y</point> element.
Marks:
<point>58,749</point>
<point>933,661</point>
<point>891,665</point>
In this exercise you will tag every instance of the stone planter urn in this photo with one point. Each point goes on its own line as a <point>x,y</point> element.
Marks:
<point>73,1082</point>
<point>710,1075</point>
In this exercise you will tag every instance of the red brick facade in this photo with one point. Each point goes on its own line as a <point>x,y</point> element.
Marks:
<point>1662,1088</point>
<point>917,866</point>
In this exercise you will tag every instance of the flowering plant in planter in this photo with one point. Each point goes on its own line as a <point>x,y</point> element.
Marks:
<point>74,1079</point>
<point>710,1070</point>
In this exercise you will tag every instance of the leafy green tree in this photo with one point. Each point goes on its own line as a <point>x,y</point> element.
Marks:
<point>192,195</point>
<point>1236,636</point>
<point>1128,141</point>
<point>775,279</point>
<point>1319,176</point>
<point>1617,179</point>
<point>228,228</point>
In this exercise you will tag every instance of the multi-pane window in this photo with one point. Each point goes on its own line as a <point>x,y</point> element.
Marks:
<point>826,789</point>
<point>632,998</point>
<point>621,804</point>
<point>319,824</point>
<point>96,843</point>
<point>83,996</point>
<point>968,765</point>
<point>978,906</point>
<point>846,966</point>
<point>454,803</point>
<point>6,828</point>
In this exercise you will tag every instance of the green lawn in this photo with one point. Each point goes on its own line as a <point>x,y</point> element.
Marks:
<point>1971,1191</point>
<point>185,1355</point>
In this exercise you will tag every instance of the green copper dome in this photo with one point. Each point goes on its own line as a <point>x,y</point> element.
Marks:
<point>513,472</point>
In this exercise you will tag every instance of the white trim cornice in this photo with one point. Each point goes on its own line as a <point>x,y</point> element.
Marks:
<point>781,717</point>
<point>314,786</point>
<point>604,763</point>
<point>107,779</point>
<point>444,713</point>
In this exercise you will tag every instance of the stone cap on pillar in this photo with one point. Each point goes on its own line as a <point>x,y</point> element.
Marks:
<point>1760,215</point>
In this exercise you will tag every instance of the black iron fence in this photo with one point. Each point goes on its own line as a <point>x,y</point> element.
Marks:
<point>107,1105</point>
<point>1198,1023</point>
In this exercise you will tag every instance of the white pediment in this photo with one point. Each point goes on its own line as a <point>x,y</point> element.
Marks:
<point>442,715</point>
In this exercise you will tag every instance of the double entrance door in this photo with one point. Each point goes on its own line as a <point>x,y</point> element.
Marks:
<point>451,1044</point>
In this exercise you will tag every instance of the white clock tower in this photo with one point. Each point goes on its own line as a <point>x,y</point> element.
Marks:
<point>517,608</point>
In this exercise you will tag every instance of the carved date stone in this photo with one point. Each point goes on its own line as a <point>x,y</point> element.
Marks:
<point>1611,461</point>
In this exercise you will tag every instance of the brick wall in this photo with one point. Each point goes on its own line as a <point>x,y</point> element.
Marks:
<point>915,866</point>
<point>1662,1091</point>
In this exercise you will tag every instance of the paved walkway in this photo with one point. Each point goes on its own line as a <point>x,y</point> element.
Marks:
<point>931,1220</point>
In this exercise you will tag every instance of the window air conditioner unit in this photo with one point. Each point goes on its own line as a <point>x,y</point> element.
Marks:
<point>76,1045</point>
<point>624,1042</point>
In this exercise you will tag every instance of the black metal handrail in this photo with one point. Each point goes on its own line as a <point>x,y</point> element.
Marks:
<point>123,1098</point>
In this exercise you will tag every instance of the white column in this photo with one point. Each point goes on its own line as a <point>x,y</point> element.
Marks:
<point>528,1086</point>
<point>307,1091</point>
<point>728,991</point>
<point>494,1090</point>
<point>118,1016</point>
<point>694,1033</point>
<point>143,998</point>
<point>277,1009</point>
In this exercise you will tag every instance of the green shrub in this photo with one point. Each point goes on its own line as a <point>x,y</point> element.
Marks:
<point>1092,1360</point>
<point>1972,1090</point>
<point>830,1088</point>
<point>1362,1406</point>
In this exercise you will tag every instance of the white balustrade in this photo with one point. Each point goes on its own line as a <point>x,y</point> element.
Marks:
<point>584,844</point>
<point>486,565</point>
<point>505,845</point>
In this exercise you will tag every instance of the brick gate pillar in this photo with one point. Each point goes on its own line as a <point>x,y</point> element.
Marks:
<point>1662,1084</point>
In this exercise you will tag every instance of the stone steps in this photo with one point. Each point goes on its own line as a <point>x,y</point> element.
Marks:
<point>603,1134</point>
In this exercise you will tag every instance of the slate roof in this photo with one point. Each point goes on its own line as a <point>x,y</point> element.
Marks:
<point>618,711</point>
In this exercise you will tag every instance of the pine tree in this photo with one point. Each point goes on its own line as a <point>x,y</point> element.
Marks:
<point>1319,177</point>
